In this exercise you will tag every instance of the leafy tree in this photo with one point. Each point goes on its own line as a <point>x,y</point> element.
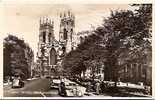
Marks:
<point>124,36</point>
<point>18,57</point>
<point>126,33</point>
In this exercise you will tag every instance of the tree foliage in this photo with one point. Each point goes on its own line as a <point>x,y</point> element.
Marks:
<point>18,57</point>
<point>125,36</point>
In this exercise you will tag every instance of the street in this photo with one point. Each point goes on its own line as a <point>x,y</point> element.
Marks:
<point>37,88</point>
<point>32,88</point>
<point>41,88</point>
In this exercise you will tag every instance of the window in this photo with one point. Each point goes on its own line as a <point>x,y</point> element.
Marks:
<point>44,36</point>
<point>81,39</point>
<point>143,70</point>
<point>71,36</point>
<point>53,57</point>
<point>65,34</point>
<point>63,49</point>
<point>49,37</point>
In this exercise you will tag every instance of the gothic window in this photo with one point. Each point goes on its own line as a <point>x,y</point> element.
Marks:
<point>44,36</point>
<point>71,34</point>
<point>81,39</point>
<point>53,57</point>
<point>49,37</point>
<point>143,70</point>
<point>65,34</point>
<point>61,36</point>
<point>67,22</point>
<point>63,49</point>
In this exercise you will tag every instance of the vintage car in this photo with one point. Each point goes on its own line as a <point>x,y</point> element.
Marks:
<point>72,89</point>
<point>17,83</point>
<point>55,83</point>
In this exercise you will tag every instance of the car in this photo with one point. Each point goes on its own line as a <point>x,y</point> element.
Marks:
<point>72,89</point>
<point>55,83</point>
<point>37,76</point>
<point>17,83</point>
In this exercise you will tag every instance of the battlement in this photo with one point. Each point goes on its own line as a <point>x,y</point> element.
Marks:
<point>46,21</point>
<point>67,15</point>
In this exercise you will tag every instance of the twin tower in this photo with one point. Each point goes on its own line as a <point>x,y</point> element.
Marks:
<point>51,51</point>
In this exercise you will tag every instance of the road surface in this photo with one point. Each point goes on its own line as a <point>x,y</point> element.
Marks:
<point>33,88</point>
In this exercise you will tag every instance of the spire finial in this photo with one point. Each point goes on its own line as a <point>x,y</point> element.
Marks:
<point>60,15</point>
<point>52,22</point>
<point>46,20</point>
<point>40,20</point>
<point>64,14</point>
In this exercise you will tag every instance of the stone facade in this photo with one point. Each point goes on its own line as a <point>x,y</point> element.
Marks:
<point>51,51</point>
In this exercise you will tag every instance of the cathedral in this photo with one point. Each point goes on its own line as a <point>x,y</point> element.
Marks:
<point>51,51</point>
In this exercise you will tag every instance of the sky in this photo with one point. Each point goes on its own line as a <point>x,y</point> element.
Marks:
<point>22,20</point>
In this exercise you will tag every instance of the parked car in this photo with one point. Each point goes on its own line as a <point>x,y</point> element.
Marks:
<point>17,83</point>
<point>55,83</point>
<point>72,89</point>
<point>37,76</point>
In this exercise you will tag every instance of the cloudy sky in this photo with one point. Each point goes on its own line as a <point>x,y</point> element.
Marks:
<point>22,20</point>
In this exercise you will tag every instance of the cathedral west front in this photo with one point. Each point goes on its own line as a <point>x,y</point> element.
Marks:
<point>51,51</point>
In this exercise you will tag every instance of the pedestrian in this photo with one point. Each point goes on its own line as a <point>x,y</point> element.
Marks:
<point>8,80</point>
<point>89,87</point>
<point>63,89</point>
<point>102,86</point>
<point>97,88</point>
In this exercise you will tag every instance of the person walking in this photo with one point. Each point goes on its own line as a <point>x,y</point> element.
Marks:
<point>62,89</point>
<point>97,88</point>
<point>89,87</point>
<point>102,86</point>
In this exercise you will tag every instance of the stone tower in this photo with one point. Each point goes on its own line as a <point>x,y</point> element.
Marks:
<point>67,32</point>
<point>46,37</point>
<point>50,51</point>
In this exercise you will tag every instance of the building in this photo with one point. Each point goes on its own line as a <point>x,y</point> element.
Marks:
<point>135,71</point>
<point>51,51</point>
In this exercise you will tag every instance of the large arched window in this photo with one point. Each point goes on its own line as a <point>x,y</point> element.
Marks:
<point>53,57</point>
<point>65,34</point>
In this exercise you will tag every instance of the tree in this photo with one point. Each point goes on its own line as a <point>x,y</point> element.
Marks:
<point>89,51</point>
<point>125,32</point>
<point>124,36</point>
<point>18,57</point>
